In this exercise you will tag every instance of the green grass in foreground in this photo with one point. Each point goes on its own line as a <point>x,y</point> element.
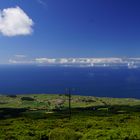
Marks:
<point>45,117</point>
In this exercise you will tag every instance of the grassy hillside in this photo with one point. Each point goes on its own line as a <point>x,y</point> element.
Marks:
<point>46,116</point>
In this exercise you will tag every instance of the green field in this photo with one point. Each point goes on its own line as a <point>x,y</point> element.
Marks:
<point>46,117</point>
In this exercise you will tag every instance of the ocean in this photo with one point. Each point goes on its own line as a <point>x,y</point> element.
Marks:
<point>96,81</point>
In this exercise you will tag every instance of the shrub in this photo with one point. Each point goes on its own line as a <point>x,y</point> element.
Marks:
<point>64,134</point>
<point>12,96</point>
<point>27,99</point>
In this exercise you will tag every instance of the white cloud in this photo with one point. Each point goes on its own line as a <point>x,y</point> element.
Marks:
<point>45,60</point>
<point>63,60</point>
<point>80,62</point>
<point>14,61</point>
<point>14,21</point>
<point>86,61</point>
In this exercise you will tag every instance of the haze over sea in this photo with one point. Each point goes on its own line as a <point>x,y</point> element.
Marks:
<point>96,81</point>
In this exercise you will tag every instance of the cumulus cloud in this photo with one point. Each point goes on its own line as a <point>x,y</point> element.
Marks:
<point>14,21</point>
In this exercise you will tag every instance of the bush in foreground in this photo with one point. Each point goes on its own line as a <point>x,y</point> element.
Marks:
<point>64,134</point>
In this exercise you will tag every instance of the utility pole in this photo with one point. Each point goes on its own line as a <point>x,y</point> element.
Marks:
<point>69,93</point>
<point>69,100</point>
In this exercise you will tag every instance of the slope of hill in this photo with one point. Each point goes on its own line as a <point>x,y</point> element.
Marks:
<point>46,116</point>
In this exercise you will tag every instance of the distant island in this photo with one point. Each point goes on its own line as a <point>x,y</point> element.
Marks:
<point>46,116</point>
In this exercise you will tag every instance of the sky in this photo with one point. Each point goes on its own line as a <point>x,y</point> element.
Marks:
<point>32,29</point>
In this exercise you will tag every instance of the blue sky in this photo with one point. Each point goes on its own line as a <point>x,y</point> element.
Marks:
<point>74,28</point>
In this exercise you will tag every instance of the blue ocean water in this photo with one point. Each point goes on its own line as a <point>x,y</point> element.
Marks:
<point>107,82</point>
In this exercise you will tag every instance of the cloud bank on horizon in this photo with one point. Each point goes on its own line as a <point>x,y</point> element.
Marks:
<point>84,62</point>
<point>14,22</point>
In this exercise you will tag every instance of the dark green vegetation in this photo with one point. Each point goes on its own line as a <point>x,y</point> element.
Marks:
<point>45,117</point>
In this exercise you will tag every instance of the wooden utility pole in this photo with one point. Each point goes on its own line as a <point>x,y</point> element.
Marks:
<point>69,94</point>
